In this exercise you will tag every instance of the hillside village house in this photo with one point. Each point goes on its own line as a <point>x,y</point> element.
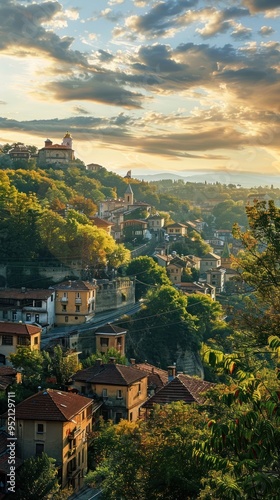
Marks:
<point>28,306</point>
<point>216,277</point>
<point>176,230</point>
<point>74,302</point>
<point>57,423</point>
<point>13,335</point>
<point>122,389</point>
<point>209,261</point>
<point>110,337</point>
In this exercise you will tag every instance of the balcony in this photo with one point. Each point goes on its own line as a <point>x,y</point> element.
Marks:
<point>74,433</point>
<point>64,300</point>
<point>78,301</point>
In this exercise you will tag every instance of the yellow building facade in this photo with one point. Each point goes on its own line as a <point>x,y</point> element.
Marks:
<point>56,423</point>
<point>74,302</point>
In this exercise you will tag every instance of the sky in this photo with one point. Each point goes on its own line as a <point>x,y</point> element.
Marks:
<point>177,86</point>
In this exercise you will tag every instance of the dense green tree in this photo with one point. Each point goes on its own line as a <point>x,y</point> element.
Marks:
<point>150,459</point>
<point>209,315</point>
<point>37,479</point>
<point>148,274</point>
<point>163,328</point>
<point>259,268</point>
<point>242,453</point>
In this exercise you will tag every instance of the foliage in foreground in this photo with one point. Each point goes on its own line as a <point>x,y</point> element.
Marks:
<point>150,459</point>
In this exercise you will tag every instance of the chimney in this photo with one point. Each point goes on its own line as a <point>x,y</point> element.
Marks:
<point>132,361</point>
<point>171,372</point>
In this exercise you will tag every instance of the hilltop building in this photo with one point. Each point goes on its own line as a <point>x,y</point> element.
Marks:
<point>57,154</point>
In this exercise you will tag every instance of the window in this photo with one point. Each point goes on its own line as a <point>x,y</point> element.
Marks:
<point>23,341</point>
<point>78,295</point>
<point>131,416</point>
<point>28,317</point>
<point>51,298</point>
<point>66,319</point>
<point>36,340</point>
<point>119,394</point>
<point>7,340</point>
<point>64,309</point>
<point>40,428</point>
<point>104,342</point>
<point>65,295</point>
<point>104,393</point>
<point>14,315</point>
<point>38,303</point>
<point>37,318</point>
<point>39,449</point>
<point>77,309</point>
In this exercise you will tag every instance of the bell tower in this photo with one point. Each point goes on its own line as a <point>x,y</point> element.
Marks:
<point>129,195</point>
<point>67,140</point>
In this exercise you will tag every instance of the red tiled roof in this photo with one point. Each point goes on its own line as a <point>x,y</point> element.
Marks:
<point>74,285</point>
<point>181,388</point>
<point>109,374</point>
<point>18,293</point>
<point>51,405</point>
<point>18,328</point>
<point>7,371</point>
<point>100,222</point>
<point>55,146</point>
<point>156,376</point>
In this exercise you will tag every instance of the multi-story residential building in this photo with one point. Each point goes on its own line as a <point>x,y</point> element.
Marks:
<point>74,302</point>
<point>175,230</point>
<point>216,277</point>
<point>209,261</point>
<point>28,306</point>
<point>123,389</point>
<point>57,423</point>
<point>110,336</point>
<point>155,225</point>
<point>13,335</point>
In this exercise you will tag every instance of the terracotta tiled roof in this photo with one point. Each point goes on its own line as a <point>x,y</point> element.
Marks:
<point>109,374</point>
<point>181,388</point>
<point>18,328</point>
<point>210,255</point>
<point>7,371</point>
<point>55,146</point>
<point>74,285</point>
<point>156,376</point>
<point>51,405</point>
<point>18,293</point>
<point>109,329</point>
<point>97,221</point>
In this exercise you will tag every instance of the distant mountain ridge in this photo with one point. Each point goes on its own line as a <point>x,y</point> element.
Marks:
<point>246,179</point>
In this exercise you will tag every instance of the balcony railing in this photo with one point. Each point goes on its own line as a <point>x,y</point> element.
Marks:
<point>64,299</point>
<point>78,301</point>
<point>74,433</point>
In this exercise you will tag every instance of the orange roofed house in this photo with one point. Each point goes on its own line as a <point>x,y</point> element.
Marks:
<point>123,389</point>
<point>57,423</point>
<point>13,335</point>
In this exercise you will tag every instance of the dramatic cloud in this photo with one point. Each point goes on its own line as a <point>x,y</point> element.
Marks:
<point>261,5</point>
<point>22,31</point>
<point>98,88</point>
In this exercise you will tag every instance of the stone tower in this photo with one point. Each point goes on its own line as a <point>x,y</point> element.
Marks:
<point>129,196</point>
<point>67,140</point>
